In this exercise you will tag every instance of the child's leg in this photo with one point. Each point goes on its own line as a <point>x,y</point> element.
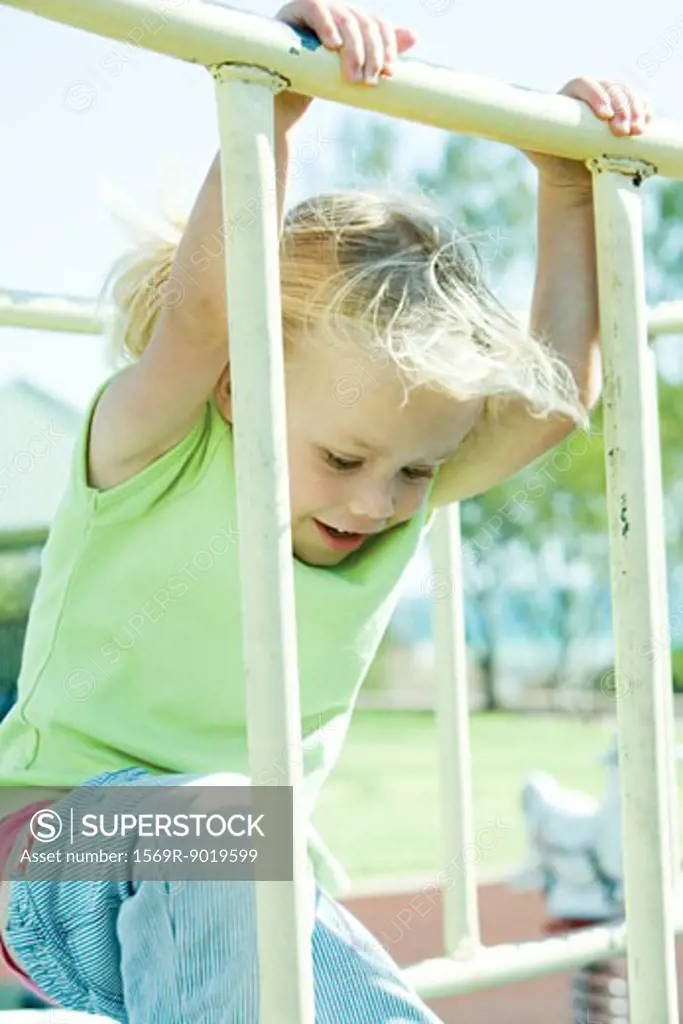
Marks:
<point>189,953</point>
<point>356,981</point>
<point>182,952</point>
<point>205,932</point>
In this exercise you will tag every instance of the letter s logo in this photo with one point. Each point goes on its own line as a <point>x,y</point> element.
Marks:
<point>46,826</point>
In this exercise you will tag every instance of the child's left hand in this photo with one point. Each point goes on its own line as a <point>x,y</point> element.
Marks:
<point>627,111</point>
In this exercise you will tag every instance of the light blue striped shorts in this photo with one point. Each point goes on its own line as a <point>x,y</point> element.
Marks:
<point>150,952</point>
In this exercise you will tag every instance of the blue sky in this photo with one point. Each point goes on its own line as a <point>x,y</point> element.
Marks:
<point>73,129</point>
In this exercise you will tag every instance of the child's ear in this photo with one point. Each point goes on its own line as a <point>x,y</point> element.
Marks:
<point>222,394</point>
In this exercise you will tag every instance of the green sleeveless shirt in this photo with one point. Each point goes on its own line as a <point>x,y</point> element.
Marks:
<point>133,653</point>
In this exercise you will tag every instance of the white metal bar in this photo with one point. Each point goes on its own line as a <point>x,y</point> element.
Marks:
<point>665,318</point>
<point>508,963</point>
<point>51,313</point>
<point>82,315</point>
<point>638,598</point>
<point>210,33</point>
<point>513,962</point>
<point>285,910</point>
<point>461,910</point>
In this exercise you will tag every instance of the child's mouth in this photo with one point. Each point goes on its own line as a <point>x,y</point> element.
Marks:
<point>338,540</point>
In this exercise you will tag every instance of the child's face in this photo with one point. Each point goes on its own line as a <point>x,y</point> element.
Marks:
<point>358,461</point>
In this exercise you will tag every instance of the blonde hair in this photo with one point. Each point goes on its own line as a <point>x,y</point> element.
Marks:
<point>393,267</point>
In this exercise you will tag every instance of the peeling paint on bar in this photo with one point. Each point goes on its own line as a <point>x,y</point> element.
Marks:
<point>623,515</point>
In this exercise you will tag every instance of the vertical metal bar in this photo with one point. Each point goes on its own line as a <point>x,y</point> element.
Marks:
<point>638,600</point>
<point>461,911</point>
<point>246,122</point>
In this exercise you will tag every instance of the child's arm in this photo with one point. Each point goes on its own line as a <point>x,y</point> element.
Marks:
<point>564,309</point>
<point>150,407</point>
<point>153,404</point>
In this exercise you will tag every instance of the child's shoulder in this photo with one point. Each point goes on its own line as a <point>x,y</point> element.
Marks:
<point>140,482</point>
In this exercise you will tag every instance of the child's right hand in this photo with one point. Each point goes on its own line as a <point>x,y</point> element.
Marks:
<point>368,45</point>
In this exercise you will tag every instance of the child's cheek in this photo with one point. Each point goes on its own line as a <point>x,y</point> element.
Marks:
<point>411,500</point>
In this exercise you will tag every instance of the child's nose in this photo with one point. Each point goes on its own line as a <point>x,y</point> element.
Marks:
<point>376,504</point>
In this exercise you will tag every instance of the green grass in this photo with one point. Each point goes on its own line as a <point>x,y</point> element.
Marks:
<point>379,811</point>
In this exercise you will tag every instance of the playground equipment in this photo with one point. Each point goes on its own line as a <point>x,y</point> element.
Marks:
<point>575,846</point>
<point>251,59</point>
<point>575,857</point>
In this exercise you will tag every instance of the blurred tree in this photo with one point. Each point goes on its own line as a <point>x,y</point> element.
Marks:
<point>371,154</point>
<point>663,217</point>
<point>489,190</point>
<point>537,527</point>
<point>558,504</point>
<point>490,545</point>
<point>485,188</point>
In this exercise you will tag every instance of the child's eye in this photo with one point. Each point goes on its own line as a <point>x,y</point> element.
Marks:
<point>339,463</point>
<point>413,473</point>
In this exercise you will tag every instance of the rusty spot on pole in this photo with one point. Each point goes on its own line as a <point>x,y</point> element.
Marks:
<point>623,515</point>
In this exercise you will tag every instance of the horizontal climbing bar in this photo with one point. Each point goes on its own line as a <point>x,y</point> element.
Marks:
<point>51,313</point>
<point>506,963</point>
<point>665,318</point>
<point>208,33</point>
<point>75,315</point>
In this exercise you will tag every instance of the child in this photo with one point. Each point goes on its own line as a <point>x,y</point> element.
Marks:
<point>133,659</point>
